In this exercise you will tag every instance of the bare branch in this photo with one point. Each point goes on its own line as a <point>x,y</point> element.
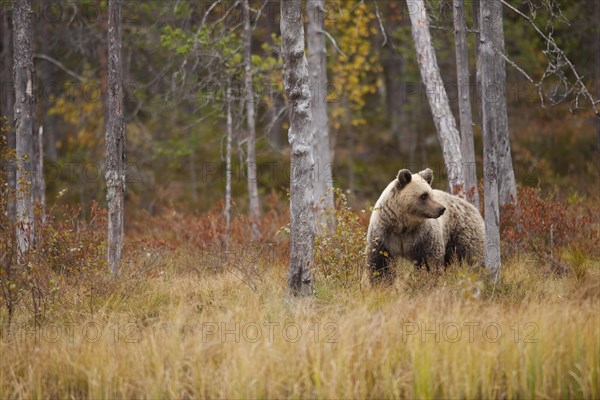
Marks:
<point>333,42</point>
<point>552,49</point>
<point>61,66</point>
<point>378,14</point>
<point>212,6</point>
<point>526,75</point>
<point>259,13</point>
<point>224,17</point>
<point>515,66</point>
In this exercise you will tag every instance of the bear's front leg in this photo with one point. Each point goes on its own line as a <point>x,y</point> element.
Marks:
<point>378,262</point>
<point>427,249</point>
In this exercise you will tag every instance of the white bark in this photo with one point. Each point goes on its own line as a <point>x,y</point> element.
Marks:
<point>115,139</point>
<point>251,120</point>
<point>464,104</point>
<point>300,136</point>
<point>24,109</point>
<point>436,94</point>
<point>317,67</point>
<point>507,187</point>
<point>491,124</point>
<point>228,165</point>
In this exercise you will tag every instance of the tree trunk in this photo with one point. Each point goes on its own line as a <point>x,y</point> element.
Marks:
<point>476,11</point>
<point>392,69</point>
<point>491,124</point>
<point>393,66</point>
<point>274,115</point>
<point>7,105</point>
<point>300,136</point>
<point>103,62</point>
<point>228,165</point>
<point>436,94</point>
<point>47,121</point>
<point>39,183</point>
<point>192,169</point>
<point>467,147</point>
<point>317,68</point>
<point>275,134</point>
<point>507,187</point>
<point>597,70</point>
<point>115,139</point>
<point>251,120</point>
<point>24,114</point>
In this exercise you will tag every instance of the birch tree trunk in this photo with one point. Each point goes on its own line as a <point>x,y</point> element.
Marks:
<point>317,68</point>
<point>507,187</point>
<point>24,114</point>
<point>436,95</point>
<point>491,124</point>
<point>467,147</point>
<point>300,136</point>
<point>7,106</point>
<point>228,164</point>
<point>115,139</point>
<point>251,120</point>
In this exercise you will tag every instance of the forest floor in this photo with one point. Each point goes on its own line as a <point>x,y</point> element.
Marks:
<point>178,325</point>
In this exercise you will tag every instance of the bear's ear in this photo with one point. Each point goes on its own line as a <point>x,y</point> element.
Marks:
<point>404,176</point>
<point>427,174</point>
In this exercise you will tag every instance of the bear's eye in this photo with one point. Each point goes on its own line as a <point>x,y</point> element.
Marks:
<point>423,197</point>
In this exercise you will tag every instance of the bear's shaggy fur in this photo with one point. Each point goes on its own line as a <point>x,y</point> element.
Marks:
<point>430,227</point>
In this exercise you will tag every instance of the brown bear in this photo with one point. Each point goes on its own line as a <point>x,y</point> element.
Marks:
<point>430,227</point>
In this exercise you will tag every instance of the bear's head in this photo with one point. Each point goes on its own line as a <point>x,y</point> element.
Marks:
<point>410,195</point>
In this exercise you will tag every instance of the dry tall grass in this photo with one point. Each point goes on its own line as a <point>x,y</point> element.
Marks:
<point>183,322</point>
<point>185,332</point>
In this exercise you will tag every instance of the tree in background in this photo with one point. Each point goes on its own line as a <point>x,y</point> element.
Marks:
<point>445,124</point>
<point>174,124</point>
<point>467,147</point>
<point>47,119</point>
<point>229,139</point>
<point>495,91</point>
<point>115,139</point>
<point>300,136</point>
<point>492,76</point>
<point>400,71</point>
<point>251,121</point>
<point>354,74</point>
<point>559,80</point>
<point>317,67</point>
<point>38,184</point>
<point>7,103</point>
<point>24,112</point>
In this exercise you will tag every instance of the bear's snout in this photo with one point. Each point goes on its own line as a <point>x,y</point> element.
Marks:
<point>441,211</point>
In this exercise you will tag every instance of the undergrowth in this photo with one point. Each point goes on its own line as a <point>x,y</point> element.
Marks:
<point>196,306</point>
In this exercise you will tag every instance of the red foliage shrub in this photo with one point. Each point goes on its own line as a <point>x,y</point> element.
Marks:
<point>547,222</point>
<point>207,233</point>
